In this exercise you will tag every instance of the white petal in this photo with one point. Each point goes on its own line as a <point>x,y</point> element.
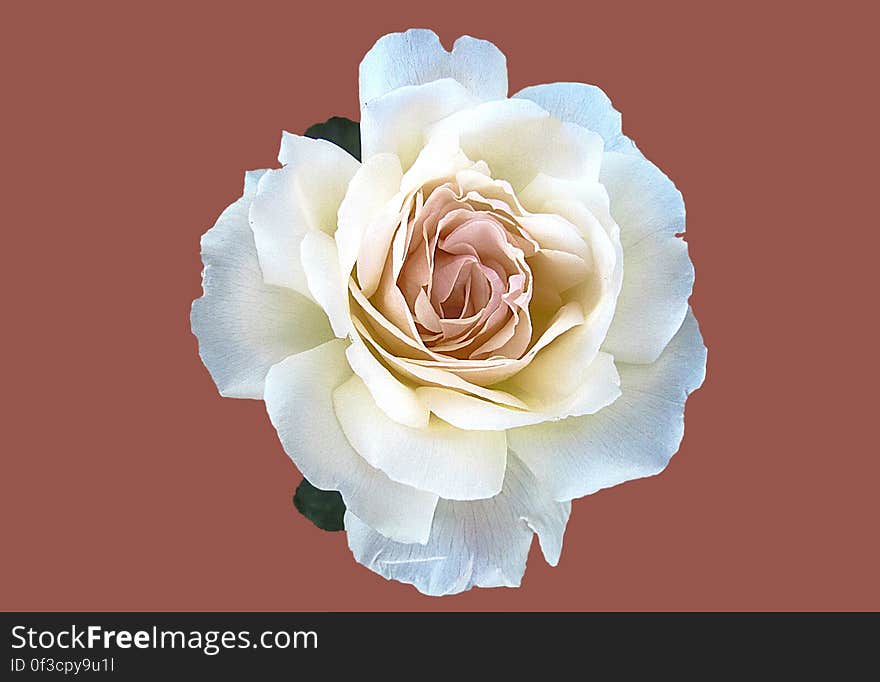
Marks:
<point>518,140</point>
<point>441,157</point>
<point>303,196</point>
<point>416,56</point>
<point>371,188</point>
<point>585,105</point>
<point>396,123</point>
<point>300,404</point>
<point>374,251</point>
<point>658,274</point>
<point>482,543</point>
<point>320,261</point>
<point>598,389</point>
<point>634,437</point>
<point>546,192</point>
<point>245,326</point>
<point>293,147</point>
<point>397,401</point>
<point>439,458</point>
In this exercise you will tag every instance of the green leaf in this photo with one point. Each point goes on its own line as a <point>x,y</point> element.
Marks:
<point>324,508</point>
<point>340,131</point>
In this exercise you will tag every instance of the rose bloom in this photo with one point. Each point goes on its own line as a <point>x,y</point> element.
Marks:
<point>485,319</point>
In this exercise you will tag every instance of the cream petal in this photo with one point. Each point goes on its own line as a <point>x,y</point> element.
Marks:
<point>375,246</point>
<point>416,56</point>
<point>398,401</point>
<point>544,188</point>
<point>586,105</point>
<point>438,458</point>
<point>303,196</point>
<point>477,184</point>
<point>299,401</point>
<point>392,305</point>
<point>559,270</point>
<point>599,248</point>
<point>659,276</point>
<point>320,261</point>
<point>244,326</point>
<point>481,543</point>
<point>437,376</point>
<point>369,192</point>
<point>396,122</point>
<point>599,389</point>
<point>555,233</point>
<point>441,157</point>
<point>634,437</point>
<point>390,335</point>
<point>547,194</point>
<point>401,245</point>
<point>560,369</point>
<point>598,294</point>
<point>568,316</point>
<point>518,140</point>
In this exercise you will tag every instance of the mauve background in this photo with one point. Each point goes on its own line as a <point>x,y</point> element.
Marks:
<point>129,484</point>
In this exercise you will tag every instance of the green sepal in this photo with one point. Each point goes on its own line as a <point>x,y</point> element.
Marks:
<point>324,508</point>
<point>340,131</point>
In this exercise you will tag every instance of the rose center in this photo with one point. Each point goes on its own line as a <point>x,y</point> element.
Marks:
<point>465,277</point>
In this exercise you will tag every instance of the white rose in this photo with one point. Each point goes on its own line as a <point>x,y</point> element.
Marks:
<point>484,320</point>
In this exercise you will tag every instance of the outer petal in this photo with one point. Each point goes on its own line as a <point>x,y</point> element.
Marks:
<point>633,437</point>
<point>399,402</point>
<point>245,326</point>
<point>303,196</point>
<point>300,404</point>
<point>658,274</point>
<point>483,543</point>
<point>396,122</point>
<point>586,105</point>
<point>416,56</point>
<point>320,261</point>
<point>450,462</point>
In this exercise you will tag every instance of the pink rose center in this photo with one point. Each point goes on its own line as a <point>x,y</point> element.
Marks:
<point>465,277</point>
